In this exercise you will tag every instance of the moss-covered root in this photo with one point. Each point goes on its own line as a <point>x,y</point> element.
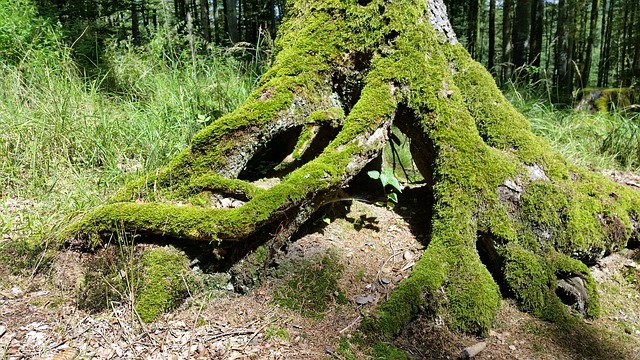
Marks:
<point>165,281</point>
<point>450,283</point>
<point>533,281</point>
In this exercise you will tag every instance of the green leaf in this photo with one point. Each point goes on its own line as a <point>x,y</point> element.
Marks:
<point>393,197</point>
<point>388,178</point>
<point>374,174</point>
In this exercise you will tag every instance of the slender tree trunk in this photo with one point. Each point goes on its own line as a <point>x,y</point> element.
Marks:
<point>507,44</point>
<point>636,56</point>
<point>473,30</point>
<point>231,20</point>
<point>537,30</point>
<point>205,23</point>
<point>562,78</point>
<point>521,33</point>
<point>492,35</point>
<point>135,23</point>
<point>606,57</point>
<point>216,22</point>
<point>272,19</point>
<point>586,69</point>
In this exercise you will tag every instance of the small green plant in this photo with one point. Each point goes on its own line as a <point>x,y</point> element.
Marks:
<point>387,177</point>
<point>276,333</point>
<point>344,349</point>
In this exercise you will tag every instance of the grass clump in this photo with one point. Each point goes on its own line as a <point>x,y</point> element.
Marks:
<point>110,276</point>
<point>601,140</point>
<point>311,284</point>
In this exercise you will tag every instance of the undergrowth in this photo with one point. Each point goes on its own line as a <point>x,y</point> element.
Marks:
<point>597,140</point>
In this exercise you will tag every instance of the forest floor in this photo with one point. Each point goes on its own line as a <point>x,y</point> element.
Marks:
<point>367,251</point>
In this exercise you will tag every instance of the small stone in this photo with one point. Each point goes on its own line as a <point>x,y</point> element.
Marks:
<point>408,255</point>
<point>361,299</point>
<point>512,347</point>
<point>385,280</point>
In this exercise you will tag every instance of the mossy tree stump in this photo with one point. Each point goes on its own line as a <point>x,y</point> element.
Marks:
<point>510,216</point>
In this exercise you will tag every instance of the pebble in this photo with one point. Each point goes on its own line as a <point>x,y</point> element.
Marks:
<point>385,280</point>
<point>408,255</point>
<point>361,299</point>
<point>512,347</point>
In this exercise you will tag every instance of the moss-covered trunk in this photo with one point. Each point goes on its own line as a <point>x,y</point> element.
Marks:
<point>510,216</point>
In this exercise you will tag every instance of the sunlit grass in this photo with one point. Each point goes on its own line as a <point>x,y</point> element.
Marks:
<point>67,142</point>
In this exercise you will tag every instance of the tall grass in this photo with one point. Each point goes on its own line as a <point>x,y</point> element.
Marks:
<point>68,141</point>
<point>595,140</point>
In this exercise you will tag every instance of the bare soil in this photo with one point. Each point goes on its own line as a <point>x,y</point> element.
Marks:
<point>377,248</point>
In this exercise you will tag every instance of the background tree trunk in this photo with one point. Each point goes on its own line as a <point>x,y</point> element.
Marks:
<point>507,44</point>
<point>521,33</point>
<point>586,69</point>
<point>205,23</point>
<point>562,77</point>
<point>492,36</point>
<point>537,30</point>
<point>231,20</point>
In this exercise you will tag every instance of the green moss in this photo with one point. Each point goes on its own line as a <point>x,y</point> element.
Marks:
<point>166,281</point>
<point>384,351</point>
<point>527,277</point>
<point>311,285</point>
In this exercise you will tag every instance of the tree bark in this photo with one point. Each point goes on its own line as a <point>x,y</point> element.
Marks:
<point>492,35</point>
<point>562,77</point>
<point>521,32</point>
<point>508,212</point>
<point>231,20</point>
<point>205,23</point>
<point>537,30</point>
<point>507,44</point>
<point>586,69</point>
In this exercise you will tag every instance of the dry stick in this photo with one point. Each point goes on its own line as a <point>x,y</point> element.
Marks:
<point>386,261</point>
<point>352,323</point>
<point>258,331</point>
<point>231,333</point>
<point>35,268</point>
<point>74,336</point>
